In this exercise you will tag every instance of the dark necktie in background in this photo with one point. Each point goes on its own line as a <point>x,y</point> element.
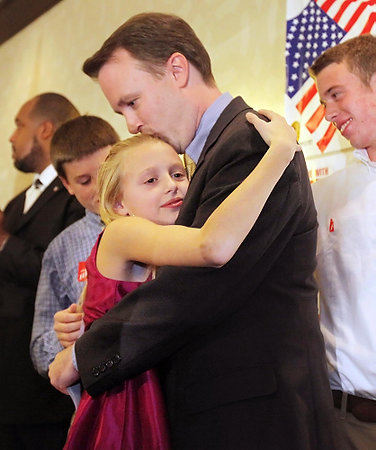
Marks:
<point>32,194</point>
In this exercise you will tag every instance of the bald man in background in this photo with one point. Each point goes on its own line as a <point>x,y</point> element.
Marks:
<point>33,415</point>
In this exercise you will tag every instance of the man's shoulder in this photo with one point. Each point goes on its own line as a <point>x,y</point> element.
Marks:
<point>341,180</point>
<point>75,234</point>
<point>233,127</point>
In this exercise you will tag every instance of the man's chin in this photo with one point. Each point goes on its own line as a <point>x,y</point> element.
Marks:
<point>22,167</point>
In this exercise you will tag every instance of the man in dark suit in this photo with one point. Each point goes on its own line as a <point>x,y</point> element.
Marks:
<point>33,415</point>
<point>239,348</point>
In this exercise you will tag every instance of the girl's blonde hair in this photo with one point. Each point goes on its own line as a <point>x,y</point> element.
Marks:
<point>110,175</point>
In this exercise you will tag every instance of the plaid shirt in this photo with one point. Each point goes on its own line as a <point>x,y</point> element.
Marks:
<point>60,285</point>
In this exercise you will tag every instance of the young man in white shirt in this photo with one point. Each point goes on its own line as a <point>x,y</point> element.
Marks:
<point>345,76</point>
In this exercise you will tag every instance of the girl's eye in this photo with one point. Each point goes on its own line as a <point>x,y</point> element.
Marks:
<point>178,175</point>
<point>151,180</point>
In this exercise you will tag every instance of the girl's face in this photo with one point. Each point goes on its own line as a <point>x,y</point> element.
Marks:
<point>153,184</point>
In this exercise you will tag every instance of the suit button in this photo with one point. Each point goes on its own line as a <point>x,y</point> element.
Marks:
<point>102,367</point>
<point>109,363</point>
<point>116,359</point>
<point>95,371</point>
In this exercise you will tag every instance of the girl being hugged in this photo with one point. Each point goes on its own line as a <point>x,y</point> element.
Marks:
<point>142,185</point>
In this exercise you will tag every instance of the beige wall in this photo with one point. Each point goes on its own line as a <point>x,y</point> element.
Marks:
<point>245,39</point>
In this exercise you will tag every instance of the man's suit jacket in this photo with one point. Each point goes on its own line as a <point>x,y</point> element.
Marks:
<point>26,397</point>
<point>239,347</point>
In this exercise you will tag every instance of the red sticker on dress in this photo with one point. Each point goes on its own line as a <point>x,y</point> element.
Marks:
<point>82,273</point>
<point>331,226</point>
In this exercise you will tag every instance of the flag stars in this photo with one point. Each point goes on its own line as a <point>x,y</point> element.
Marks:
<point>308,35</point>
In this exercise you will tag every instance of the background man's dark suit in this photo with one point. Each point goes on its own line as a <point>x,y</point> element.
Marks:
<point>26,397</point>
<point>239,347</point>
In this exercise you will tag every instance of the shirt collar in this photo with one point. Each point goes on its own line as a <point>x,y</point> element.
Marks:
<point>93,217</point>
<point>208,119</point>
<point>47,176</point>
<point>362,155</point>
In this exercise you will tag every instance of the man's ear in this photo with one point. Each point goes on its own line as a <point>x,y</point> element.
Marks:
<point>66,185</point>
<point>46,130</point>
<point>178,66</point>
<point>372,82</point>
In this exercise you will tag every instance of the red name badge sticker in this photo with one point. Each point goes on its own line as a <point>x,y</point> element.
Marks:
<point>331,226</point>
<point>82,273</point>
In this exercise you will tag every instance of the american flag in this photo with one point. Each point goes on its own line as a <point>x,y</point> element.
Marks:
<point>312,27</point>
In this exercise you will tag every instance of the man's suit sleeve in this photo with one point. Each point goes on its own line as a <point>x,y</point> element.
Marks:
<point>160,317</point>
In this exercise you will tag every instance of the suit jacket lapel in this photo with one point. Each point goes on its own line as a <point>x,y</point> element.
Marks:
<point>44,197</point>
<point>234,108</point>
<point>188,209</point>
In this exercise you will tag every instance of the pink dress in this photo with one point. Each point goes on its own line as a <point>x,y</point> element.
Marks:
<point>130,416</point>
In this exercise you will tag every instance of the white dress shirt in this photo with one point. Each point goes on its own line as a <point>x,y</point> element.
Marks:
<point>45,178</point>
<point>346,274</point>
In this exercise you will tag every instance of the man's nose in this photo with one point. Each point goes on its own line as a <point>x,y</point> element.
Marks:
<point>133,124</point>
<point>11,137</point>
<point>330,113</point>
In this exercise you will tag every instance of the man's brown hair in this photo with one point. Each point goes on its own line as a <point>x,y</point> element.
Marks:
<point>78,138</point>
<point>152,38</point>
<point>358,53</point>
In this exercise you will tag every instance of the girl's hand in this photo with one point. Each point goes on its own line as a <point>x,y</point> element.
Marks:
<point>69,325</point>
<point>277,133</point>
